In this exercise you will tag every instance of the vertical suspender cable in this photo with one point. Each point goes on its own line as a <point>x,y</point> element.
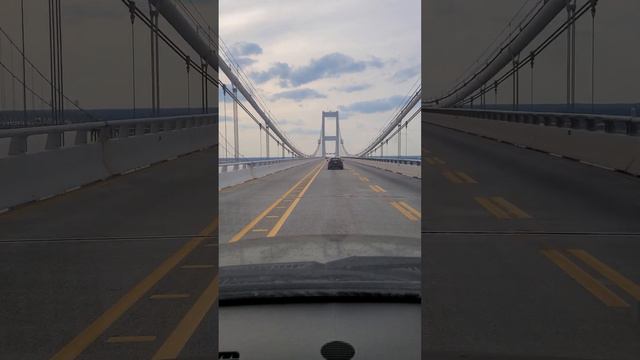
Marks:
<point>153,63</point>
<point>573,56</point>
<point>2,102</point>
<point>224,104</point>
<point>593,51</point>
<point>260,136</point>
<point>188,61</point>
<point>568,29</point>
<point>531,57</point>
<point>157,58</point>
<point>60,68</point>
<point>132,9</point>
<point>52,65</point>
<point>24,69</point>
<point>13,85</point>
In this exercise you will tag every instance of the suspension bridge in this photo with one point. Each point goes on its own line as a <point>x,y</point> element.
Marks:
<point>531,231</point>
<point>109,221</point>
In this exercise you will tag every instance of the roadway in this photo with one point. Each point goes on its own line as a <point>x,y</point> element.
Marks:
<point>310,200</point>
<point>123,268</point>
<point>525,253</point>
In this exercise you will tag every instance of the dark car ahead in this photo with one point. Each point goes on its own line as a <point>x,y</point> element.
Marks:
<point>335,163</point>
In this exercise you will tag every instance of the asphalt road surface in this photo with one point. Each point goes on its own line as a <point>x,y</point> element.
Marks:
<point>123,268</point>
<point>526,255</point>
<point>310,200</point>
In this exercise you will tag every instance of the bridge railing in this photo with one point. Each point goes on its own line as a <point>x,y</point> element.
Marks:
<point>92,132</point>
<point>604,123</point>
<point>415,162</point>
<point>233,166</point>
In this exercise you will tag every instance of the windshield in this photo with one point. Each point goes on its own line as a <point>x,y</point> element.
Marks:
<point>314,186</point>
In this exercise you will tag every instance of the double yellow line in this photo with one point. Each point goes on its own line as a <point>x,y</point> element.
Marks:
<point>595,287</point>
<point>406,210</point>
<point>294,203</point>
<point>377,188</point>
<point>501,208</point>
<point>458,177</point>
<point>102,323</point>
<point>311,175</point>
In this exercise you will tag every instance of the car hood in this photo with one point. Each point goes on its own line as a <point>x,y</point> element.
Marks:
<point>316,248</point>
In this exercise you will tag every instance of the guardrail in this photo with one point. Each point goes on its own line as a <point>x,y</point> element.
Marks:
<point>407,167</point>
<point>250,170</point>
<point>98,151</point>
<point>393,161</point>
<point>604,123</point>
<point>92,132</point>
<point>224,167</point>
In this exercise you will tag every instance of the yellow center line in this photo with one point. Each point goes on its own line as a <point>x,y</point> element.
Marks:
<point>403,211</point>
<point>130,339</point>
<point>490,207</point>
<point>283,218</point>
<point>168,296</point>
<point>466,177</point>
<point>583,278</point>
<point>415,212</point>
<point>623,282</point>
<point>176,341</point>
<point>438,160</point>
<point>266,211</point>
<point>512,209</point>
<point>104,321</point>
<point>374,188</point>
<point>452,177</point>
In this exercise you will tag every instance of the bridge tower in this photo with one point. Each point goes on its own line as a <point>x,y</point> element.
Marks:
<point>323,138</point>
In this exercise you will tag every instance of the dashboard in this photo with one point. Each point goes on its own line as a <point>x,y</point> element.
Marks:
<point>320,331</point>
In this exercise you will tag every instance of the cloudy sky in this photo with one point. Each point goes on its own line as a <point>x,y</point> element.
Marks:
<point>457,31</point>
<point>360,57</point>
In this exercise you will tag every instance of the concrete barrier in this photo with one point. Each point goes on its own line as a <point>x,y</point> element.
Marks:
<point>411,168</point>
<point>615,151</point>
<point>251,171</point>
<point>33,176</point>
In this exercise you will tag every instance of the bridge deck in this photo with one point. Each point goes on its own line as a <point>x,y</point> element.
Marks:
<point>359,200</point>
<point>67,260</point>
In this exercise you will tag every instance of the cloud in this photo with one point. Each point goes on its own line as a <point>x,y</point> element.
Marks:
<point>245,49</point>
<point>244,61</point>
<point>242,51</point>
<point>328,66</point>
<point>373,106</point>
<point>406,73</point>
<point>352,88</point>
<point>298,95</point>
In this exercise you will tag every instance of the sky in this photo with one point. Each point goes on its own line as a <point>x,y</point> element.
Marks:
<point>360,57</point>
<point>457,31</point>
